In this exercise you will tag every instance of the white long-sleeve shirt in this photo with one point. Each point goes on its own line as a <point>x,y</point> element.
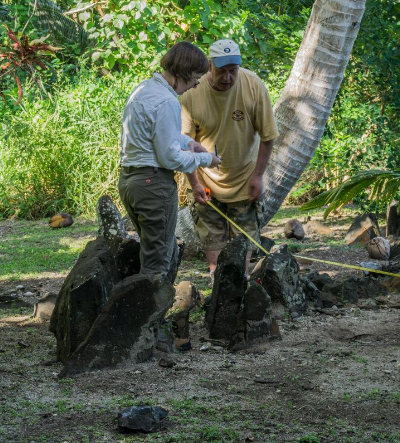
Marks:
<point>151,130</point>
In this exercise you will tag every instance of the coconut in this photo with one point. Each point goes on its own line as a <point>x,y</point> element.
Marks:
<point>293,229</point>
<point>379,248</point>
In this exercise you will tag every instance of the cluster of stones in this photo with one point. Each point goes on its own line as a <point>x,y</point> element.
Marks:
<point>364,230</point>
<point>106,313</point>
<point>243,313</point>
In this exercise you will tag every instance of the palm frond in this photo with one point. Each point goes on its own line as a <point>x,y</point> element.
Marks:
<point>50,18</point>
<point>385,185</point>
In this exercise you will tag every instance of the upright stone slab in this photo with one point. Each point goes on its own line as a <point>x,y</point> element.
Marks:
<point>363,229</point>
<point>279,275</point>
<point>44,308</point>
<point>111,225</point>
<point>393,219</point>
<point>128,257</point>
<point>125,329</point>
<point>222,317</point>
<point>260,325</point>
<point>266,243</point>
<point>186,298</point>
<point>176,260</point>
<point>82,297</point>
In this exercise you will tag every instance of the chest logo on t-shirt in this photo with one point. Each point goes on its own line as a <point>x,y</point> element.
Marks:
<point>237,115</point>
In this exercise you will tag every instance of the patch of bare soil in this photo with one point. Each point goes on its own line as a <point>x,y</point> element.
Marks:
<point>330,378</point>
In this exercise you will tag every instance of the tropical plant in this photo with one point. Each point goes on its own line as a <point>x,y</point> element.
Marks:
<point>384,185</point>
<point>62,155</point>
<point>22,56</point>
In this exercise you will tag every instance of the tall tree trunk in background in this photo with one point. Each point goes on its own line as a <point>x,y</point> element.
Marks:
<point>308,96</point>
<point>306,100</point>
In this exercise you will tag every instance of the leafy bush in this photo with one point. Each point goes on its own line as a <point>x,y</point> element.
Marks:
<point>62,154</point>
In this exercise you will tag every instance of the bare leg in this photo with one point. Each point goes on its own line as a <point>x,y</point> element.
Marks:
<point>212,258</point>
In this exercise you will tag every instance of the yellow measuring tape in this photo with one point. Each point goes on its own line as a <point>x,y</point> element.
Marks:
<point>359,268</point>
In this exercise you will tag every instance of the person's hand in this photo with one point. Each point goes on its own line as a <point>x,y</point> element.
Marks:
<point>216,161</point>
<point>199,194</point>
<point>255,188</point>
<point>197,147</point>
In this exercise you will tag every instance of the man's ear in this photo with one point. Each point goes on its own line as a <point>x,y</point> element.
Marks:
<point>209,64</point>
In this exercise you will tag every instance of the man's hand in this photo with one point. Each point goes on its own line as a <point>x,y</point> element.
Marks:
<point>199,194</point>
<point>196,147</point>
<point>255,188</point>
<point>216,161</point>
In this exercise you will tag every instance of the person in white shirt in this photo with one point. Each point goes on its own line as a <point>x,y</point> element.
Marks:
<point>153,147</point>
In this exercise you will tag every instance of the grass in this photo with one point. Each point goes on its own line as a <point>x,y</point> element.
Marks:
<point>33,248</point>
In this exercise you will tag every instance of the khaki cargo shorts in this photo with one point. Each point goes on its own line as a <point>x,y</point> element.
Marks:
<point>215,231</point>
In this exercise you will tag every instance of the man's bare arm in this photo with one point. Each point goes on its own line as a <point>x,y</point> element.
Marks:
<point>198,190</point>
<point>255,181</point>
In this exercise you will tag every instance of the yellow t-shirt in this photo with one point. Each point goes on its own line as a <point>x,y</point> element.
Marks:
<point>234,121</point>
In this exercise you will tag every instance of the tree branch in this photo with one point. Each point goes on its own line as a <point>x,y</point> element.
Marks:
<point>76,11</point>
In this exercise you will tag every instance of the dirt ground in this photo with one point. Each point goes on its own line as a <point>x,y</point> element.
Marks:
<point>332,378</point>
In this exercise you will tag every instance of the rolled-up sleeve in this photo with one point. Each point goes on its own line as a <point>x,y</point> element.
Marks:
<point>171,147</point>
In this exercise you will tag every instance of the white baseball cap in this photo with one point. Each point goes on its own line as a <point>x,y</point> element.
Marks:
<point>225,52</point>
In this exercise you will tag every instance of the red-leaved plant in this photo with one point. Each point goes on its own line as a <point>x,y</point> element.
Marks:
<point>20,56</point>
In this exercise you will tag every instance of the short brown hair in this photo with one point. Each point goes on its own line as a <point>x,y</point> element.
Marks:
<point>183,59</point>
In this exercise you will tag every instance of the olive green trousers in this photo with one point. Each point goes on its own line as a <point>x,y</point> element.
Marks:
<point>150,197</point>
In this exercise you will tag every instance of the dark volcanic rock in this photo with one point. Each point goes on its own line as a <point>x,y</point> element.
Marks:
<point>353,289</point>
<point>319,280</point>
<point>128,258</point>
<point>393,219</point>
<point>104,267</point>
<point>82,297</point>
<point>266,243</point>
<point>111,225</point>
<point>279,275</point>
<point>125,329</point>
<point>257,311</point>
<point>142,418</point>
<point>310,289</point>
<point>228,291</point>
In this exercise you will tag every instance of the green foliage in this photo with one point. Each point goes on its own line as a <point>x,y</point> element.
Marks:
<point>385,186</point>
<point>135,34</point>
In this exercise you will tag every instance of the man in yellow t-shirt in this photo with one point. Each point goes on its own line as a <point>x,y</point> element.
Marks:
<point>229,113</point>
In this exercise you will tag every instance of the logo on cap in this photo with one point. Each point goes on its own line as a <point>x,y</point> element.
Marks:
<point>227,50</point>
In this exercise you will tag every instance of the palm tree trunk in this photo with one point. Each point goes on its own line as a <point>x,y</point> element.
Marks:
<point>306,100</point>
